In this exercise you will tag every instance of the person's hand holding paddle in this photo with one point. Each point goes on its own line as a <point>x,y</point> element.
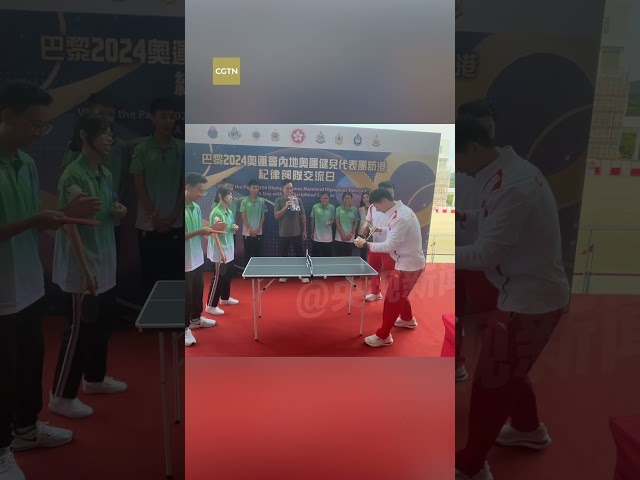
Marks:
<point>205,231</point>
<point>235,228</point>
<point>48,220</point>
<point>82,205</point>
<point>359,242</point>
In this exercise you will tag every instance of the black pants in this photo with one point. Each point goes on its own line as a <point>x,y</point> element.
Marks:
<point>364,252</point>
<point>252,247</point>
<point>343,249</point>
<point>83,352</point>
<point>21,359</point>
<point>322,249</point>
<point>116,231</point>
<point>295,242</point>
<point>223,289</point>
<point>161,256</point>
<point>194,289</point>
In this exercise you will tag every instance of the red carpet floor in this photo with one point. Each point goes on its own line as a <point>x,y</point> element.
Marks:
<point>587,374</point>
<point>312,321</point>
<point>319,419</point>
<point>123,439</point>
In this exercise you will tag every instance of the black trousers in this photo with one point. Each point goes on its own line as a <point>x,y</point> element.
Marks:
<point>295,242</point>
<point>116,231</point>
<point>21,360</point>
<point>85,342</point>
<point>364,252</point>
<point>252,247</point>
<point>194,289</point>
<point>322,249</point>
<point>161,256</point>
<point>223,289</point>
<point>343,249</point>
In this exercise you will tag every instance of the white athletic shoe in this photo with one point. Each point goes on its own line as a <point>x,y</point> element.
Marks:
<point>214,311</point>
<point>107,385</point>
<point>283,280</point>
<point>203,322</point>
<point>537,440</point>
<point>375,341</point>
<point>372,297</point>
<point>413,323</point>
<point>69,407</point>
<point>230,301</point>
<point>461,373</point>
<point>304,280</point>
<point>8,468</point>
<point>41,435</point>
<point>484,474</point>
<point>189,339</point>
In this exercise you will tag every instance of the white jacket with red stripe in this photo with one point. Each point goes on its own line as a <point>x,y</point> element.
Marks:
<point>518,244</point>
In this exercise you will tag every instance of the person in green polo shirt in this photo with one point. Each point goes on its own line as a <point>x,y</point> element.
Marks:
<point>220,290</point>
<point>85,264</point>
<point>102,105</point>
<point>323,215</point>
<point>194,256</point>
<point>346,226</point>
<point>252,209</point>
<point>235,210</point>
<point>24,110</point>
<point>158,167</point>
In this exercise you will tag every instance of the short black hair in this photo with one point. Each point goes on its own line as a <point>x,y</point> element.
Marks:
<point>380,193</point>
<point>193,179</point>
<point>93,126</point>
<point>325,193</point>
<point>469,130</point>
<point>285,182</point>
<point>160,104</point>
<point>386,185</point>
<point>476,109</point>
<point>102,99</point>
<point>253,182</point>
<point>347,193</point>
<point>19,95</point>
<point>226,180</point>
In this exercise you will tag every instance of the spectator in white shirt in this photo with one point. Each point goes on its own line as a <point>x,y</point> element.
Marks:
<point>404,244</point>
<point>380,261</point>
<point>518,246</point>
<point>473,291</point>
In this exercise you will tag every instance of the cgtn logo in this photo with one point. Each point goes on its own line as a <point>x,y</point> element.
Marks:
<point>226,71</point>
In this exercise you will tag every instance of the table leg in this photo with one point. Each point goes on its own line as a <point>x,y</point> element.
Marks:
<point>255,299</point>
<point>351,287</point>
<point>259,292</point>
<point>176,376</point>
<point>165,409</point>
<point>364,302</point>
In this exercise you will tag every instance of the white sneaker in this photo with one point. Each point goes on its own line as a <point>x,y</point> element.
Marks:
<point>69,407</point>
<point>107,385</point>
<point>214,311</point>
<point>231,301</point>
<point>304,280</point>
<point>375,341</point>
<point>484,474</point>
<point>413,323</point>
<point>283,280</point>
<point>8,468</point>
<point>41,435</point>
<point>189,339</point>
<point>204,322</point>
<point>372,297</point>
<point>537,440</point>
<point>461,373</point>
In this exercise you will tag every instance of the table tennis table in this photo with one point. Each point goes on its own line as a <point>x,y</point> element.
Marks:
<point>163,312</point>
<point>269,269</point>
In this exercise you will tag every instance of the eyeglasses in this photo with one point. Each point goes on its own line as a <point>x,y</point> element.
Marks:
<point>41,130</point>
<point>202,193</point>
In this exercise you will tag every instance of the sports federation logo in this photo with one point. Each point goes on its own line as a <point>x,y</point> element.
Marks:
<point>376,141</point>
<point>320,138</point>
<point>298,136</point>
<point>212,132</point>
<point>235,134</point>
<point>255,135</point>
<point>275,136</point>
<point>339,139</point>
<point>357,140</point>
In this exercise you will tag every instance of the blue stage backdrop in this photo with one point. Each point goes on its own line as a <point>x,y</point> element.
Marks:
<point>134,59</point>
<point>316,159</point>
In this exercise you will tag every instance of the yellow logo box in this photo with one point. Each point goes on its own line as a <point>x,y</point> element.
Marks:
<point>226,71</point>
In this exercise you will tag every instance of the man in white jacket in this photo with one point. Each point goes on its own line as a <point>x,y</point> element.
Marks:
<point>518,246</point>
<point>404,244</point>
